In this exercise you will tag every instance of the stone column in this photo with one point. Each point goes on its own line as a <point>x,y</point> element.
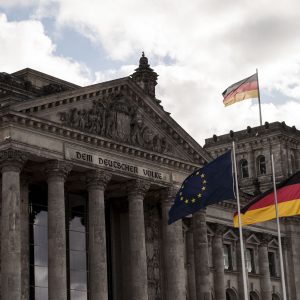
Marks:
<point>96,183</point>
<point>203,289</point>
<point>293,236</point>
<point>24,237</point>
<point>190,264</point>
<point>173,251</point>
<point>137,245</point>
<point>57,267</point>
<point>265,280</point>
<point>11,266</point>
<point>218,262</point>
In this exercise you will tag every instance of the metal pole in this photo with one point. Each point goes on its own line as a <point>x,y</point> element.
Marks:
<point>259,105</point>
<point>240,226</point>
<point>279,233</point>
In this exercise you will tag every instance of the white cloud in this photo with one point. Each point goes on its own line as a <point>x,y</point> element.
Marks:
<point>22,3</point>
<point>25,44</point>
<point>212,44</point>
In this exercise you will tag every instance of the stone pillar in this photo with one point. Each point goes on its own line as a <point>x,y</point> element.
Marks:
<point>11,266</point>
<point>293,236</point>
<point>190,265</point>
<point>57,267</point>
<point>218,263</point>
<point>265,280</point>
<point>96,182</point>
<point>137,245</point>
<point>24,238</point>
<point>173,252</point>
<point>203,288</point>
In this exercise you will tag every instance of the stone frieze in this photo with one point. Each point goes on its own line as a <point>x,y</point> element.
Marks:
<point>115,117</point>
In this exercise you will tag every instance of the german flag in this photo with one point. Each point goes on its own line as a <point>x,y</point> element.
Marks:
<point>262,208</point>
<point>244,89</point>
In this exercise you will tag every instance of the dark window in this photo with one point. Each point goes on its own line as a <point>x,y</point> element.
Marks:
<point>244,168</point>
<point>293,163</point>
<point>227,257</point>
<point>230,294</point>
<point>261,165</point>
<point>76,212</point>
<point>253,296</point>
<point>250,260</point>
<point>38,235</point>
<point>272,263</point>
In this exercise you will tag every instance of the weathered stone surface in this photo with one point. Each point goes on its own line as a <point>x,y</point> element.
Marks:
<point>218,263</point>
<point>96,182</point>
<point>203,285</point>
<point>11,162</point>
<point>57,264</point>
<point>137,247</point>
<point>173,251</point>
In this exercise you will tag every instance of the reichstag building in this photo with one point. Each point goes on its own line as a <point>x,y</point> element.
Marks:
<point>88,177</point>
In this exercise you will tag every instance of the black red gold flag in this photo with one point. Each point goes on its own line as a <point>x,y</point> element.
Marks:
<point>262,208</point>
<point>244,89</point>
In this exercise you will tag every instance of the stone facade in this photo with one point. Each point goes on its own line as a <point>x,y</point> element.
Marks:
<point>88,177</point>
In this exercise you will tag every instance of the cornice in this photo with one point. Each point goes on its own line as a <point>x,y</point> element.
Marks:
<point>30,122</point>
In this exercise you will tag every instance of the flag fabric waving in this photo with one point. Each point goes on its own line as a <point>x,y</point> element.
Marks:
<point>211,184</point>
<point>244,89</point>
<point>262,208</point>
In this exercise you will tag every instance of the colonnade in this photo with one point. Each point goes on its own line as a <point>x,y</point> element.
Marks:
<point>15,253</point>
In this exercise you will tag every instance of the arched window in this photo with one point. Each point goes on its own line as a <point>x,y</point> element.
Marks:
<point>253,296</point>
<point>275,297</point>
<point>261,165</point>
<point>231,294</point>
<point>244,168</point>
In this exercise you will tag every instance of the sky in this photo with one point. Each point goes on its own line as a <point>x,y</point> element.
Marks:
<point>198,48</point>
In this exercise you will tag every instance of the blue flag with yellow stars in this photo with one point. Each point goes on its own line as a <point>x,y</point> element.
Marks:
<point>211,184</point>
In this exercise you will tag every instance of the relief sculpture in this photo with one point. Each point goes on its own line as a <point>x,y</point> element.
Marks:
<point>115,117</point>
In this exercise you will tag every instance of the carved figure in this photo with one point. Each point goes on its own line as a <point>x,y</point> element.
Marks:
<point>115,117</point>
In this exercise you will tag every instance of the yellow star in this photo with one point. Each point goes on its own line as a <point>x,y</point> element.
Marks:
<point>202,175</point>
<point>203,188</point>
<point>181,198</point>
<point>199,195</point>
<point>197,173</point>
<point>204,181</point>
<point>193,200</point>
<point>186,201</point>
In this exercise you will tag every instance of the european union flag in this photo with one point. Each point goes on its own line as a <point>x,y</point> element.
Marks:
<point>211,184</point>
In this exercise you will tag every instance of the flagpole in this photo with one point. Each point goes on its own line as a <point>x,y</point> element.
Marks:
<point>240,226</point>
<point>279,233</point>
<point>259,105</point>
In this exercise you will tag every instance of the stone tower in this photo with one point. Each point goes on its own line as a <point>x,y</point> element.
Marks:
<point>145,77</point>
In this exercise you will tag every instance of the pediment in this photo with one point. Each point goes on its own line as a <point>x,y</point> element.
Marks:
<point>230,235</point>
<point>252,239</point>
<point>273,244</point>
<point>120,111</point>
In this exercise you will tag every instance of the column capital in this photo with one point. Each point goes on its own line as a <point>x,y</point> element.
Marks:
<point>12,160</point>
<point>97,179</point>
<point>167,196</point>
<point>138,187</point>
<point>57,169</point>
<point>219,229</point>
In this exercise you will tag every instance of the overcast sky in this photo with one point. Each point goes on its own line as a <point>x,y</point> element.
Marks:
<point>198,48</point>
